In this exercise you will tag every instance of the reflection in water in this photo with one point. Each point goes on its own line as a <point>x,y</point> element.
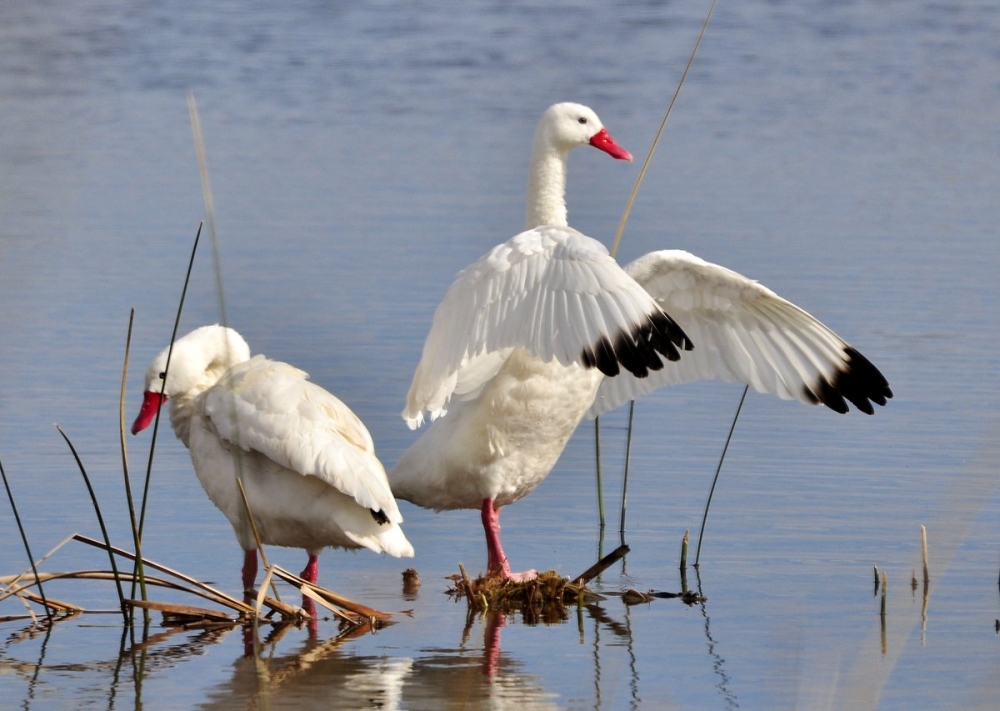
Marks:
<point>475,676</point>
<point>623,631</point>
<point>29,633</point>
<point>128,668</point>
<point>315,674</point>
<point>718,663</point>
<point>325,675</point>
<point>318,673</point>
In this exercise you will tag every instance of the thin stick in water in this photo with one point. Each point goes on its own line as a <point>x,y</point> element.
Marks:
<point>206,190</point>
<point>597,456</point>
<point>638,183</point>
<point>130,502</point>
<point>718,469</point>
<point>156,421</point>
<point>100,521</point>
<point>256,538</point>
<point>24,539</point>
<point>659,132</point>
<point>628,456</point>
<point>220,291</point>
<point>601,565</point>
<point>923,547</point>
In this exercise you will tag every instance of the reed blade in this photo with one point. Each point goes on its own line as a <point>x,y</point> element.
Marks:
<point>24,540</point>
<point>628,209</point>
<point>718,470</point>
<point>100,521</point>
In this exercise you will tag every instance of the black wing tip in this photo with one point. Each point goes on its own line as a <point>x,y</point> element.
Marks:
<point>639,350</point>
<point>857,381</point>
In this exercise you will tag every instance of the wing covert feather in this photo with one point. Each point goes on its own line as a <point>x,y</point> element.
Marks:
<point>270,407</point>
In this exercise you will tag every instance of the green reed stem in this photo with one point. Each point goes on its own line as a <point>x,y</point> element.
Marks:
<point>156,422</point>
<point>597,456</point>
<point>628,456</point>
<point>100,521</point>
<point>718,469</point>
<point>24,540</point>
<point>635,191</point>
<point>136,538</point>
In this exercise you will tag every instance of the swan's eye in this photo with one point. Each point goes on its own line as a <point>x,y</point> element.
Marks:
<point>582,119</point>
<point>163,375</point>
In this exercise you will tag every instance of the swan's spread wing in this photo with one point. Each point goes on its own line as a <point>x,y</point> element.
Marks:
<point>552,291</point>
<point>270,407</point>
<point>744,332</point>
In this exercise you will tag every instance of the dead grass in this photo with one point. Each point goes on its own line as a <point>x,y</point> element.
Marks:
<point>226,611</point>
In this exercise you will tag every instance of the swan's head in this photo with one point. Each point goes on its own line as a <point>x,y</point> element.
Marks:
<point>197,361</point>
<point>566,126</point>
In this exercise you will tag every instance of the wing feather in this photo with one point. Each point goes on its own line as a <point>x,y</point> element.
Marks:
<point>270,407</point>
<point>552,291</point>
<point>744,332</point>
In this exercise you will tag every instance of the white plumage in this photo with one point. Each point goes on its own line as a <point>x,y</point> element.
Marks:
<point>744,332</point>
<point>523,342</point>
<point>306,461</point>
<point>551,291</point>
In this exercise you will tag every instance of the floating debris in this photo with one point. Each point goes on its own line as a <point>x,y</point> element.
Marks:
<point>411,584</point>
<point>546,597</point>
<point>543,598</point>
<point>634,597</point>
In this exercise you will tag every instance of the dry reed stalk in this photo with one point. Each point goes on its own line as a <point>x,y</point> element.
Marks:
<point>256,537</point>
<point>330,596</point>
<point>109,575</point>
<point>219,596</point>
<point>614,252</point>
<point>193,587</point>
<point>601,565</point>
<point>923,547</point>
<point>24,592</point>
<point>181,614</point>
<point>309,592</point>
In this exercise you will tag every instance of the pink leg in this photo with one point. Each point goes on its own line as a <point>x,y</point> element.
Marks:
<point>496,561</point>
<point>311,572</point>
<point>249,570</point>
<point>313,624</point>
<point>491,642</point>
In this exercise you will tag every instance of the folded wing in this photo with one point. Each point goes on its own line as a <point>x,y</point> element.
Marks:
<point>270,407</point>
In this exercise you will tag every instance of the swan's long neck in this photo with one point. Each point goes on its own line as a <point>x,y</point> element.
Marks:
<point>546,186</point>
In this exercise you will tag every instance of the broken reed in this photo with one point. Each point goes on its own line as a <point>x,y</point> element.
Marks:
<point>348,611</point>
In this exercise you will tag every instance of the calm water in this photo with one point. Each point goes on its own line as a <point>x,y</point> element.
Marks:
<point>845,154</point>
